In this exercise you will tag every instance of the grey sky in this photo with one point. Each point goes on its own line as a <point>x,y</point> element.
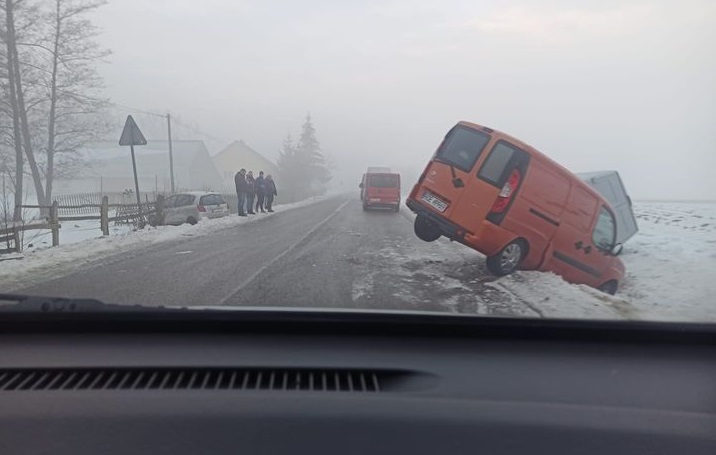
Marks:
<point>626,85</point>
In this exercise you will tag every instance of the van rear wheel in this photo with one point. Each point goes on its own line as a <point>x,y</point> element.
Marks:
<point>425,229</point>
<point>508,259</point>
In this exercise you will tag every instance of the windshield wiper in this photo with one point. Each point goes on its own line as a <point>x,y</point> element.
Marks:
<point>22,303</point>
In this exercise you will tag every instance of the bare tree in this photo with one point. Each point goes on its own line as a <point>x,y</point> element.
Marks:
<point>73,85</point>
<point>11,107</point>
<point>53,87</point>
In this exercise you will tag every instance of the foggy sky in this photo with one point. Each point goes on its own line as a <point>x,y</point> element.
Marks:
<point>625,85</point>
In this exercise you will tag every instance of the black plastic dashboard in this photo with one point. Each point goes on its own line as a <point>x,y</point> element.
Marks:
<point>343,383</point>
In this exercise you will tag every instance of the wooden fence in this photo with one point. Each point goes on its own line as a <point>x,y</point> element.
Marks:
<point>149,212</point>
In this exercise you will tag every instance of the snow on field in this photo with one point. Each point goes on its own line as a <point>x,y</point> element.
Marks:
<point>671,263</point>
<point>82,242</point>
<point>671,272</point>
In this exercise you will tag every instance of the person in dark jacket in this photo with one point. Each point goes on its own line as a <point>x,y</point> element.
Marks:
<point>270,192</point>
<point>241,188</point>
<point>260,186</point>
<point>250,192</point>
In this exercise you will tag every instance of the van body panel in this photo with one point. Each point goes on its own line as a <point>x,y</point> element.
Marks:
<point>570,256</point>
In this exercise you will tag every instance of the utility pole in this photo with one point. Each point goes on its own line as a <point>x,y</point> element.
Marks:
<point>171,155</point>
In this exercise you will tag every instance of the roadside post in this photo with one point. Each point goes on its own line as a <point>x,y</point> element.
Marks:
<point>131,136</point>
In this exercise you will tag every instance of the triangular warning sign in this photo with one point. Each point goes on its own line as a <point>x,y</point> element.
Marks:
<point>131,134</point>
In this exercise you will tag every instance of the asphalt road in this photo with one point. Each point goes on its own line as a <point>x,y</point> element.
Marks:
<point>328,254</point>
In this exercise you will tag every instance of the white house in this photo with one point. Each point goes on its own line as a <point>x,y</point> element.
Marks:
<point>109,168</point>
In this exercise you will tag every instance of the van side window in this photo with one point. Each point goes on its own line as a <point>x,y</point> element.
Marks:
<point>604,231</point>
<point>462,147</point>
<point>496,163</point>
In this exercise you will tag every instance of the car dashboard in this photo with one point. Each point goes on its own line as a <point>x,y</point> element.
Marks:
<point>330,382</point>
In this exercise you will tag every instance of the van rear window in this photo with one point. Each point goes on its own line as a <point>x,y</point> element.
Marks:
<point>383,181</point>
<point>462,147</point>
<point>496,163</point>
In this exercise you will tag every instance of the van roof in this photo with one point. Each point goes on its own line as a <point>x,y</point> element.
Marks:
<point>542,156</point>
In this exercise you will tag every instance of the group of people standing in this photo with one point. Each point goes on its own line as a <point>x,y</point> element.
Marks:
<point>248,188</point>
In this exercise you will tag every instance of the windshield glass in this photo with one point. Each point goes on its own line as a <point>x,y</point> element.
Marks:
<point>543,159</point>
<point>383,181</point>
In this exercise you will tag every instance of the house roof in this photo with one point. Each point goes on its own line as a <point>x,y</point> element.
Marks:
<point>239,154</point>
<point>193,166</point>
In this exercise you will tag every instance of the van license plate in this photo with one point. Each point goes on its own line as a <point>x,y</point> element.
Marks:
<point>434,201</point>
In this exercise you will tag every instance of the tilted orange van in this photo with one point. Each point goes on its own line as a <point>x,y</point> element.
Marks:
<point>516,206</point>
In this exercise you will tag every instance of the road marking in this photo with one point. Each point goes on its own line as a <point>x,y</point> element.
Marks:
<point>280,256</point>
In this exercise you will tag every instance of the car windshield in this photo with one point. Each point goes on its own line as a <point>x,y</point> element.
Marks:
<point>541,159</point>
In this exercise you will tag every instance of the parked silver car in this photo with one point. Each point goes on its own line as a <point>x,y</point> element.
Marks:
<point>191,206</point>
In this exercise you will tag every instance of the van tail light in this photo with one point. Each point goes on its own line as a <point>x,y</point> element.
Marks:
<point>507,193</point>
<point>201,208</point>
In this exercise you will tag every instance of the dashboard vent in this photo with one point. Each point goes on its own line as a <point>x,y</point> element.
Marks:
<point>320,380</point>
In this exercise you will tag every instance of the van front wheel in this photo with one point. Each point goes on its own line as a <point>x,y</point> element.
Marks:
<point>508,259</point>
<point>425,229</point>
<point>610,287</point>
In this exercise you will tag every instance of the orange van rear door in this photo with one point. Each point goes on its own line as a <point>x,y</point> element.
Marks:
<point>451,172</point>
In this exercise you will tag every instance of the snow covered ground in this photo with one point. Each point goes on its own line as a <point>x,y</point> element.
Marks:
<point>671,268</point>
<point>82,242</point>
<point>671,271</point>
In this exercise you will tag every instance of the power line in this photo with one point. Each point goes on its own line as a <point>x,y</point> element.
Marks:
<point>133,109</point>
<point>193,129</point>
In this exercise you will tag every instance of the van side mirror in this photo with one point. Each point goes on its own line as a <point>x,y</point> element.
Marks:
<point>360,185</point>
<point>617,249</point>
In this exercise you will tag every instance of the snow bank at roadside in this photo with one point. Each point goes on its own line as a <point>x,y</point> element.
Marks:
<point>552,297</point>
<point>671,272</point>
<point>81,247</point>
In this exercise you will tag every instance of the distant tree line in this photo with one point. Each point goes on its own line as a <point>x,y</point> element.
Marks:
<point>50,92</point>
<point>303,169</point>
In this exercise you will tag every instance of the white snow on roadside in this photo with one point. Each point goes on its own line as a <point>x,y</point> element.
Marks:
<point>88,246</point>
<point>552,297</point>
<point>671,272</point>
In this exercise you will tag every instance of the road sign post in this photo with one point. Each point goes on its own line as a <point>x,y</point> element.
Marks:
<point>131,136</point>
<point>136,181</point>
